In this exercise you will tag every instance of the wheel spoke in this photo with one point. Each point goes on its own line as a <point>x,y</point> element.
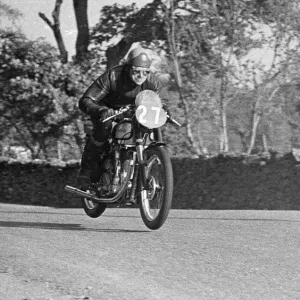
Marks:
<point>145,203</point>
<point>152,198</point>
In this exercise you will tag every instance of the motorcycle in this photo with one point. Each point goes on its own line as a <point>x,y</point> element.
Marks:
<point>135,168</point>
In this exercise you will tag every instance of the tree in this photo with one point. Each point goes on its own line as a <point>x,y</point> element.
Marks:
<point>170,27</point>
<point>128,25</point>
<point>55,26</point>
<point>230,30</point>
<point>82,41</point>
<point>39,98</point>
<point>279,38</point>
<point>206,46</point>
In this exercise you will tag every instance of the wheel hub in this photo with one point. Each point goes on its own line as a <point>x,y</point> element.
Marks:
<point>90,203</point>
<point>153,188</point>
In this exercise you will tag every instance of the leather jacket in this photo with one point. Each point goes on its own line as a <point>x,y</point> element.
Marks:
<point>114,89</point>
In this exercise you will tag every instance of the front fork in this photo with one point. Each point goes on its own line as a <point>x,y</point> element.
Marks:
<point>142,163</point>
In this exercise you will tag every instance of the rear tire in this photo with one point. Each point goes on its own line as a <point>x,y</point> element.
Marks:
<point>156,202</point>
<point>93,209</point>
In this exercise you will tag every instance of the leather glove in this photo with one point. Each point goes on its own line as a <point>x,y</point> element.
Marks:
<point>105,112</point>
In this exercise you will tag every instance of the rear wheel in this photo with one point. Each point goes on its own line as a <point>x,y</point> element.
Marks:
<point>155,202</point>
<point>93,209</point>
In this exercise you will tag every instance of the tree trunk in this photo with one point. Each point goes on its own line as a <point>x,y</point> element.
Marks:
<point>172,44</point>
<point>265,144</point>
<point>189,132</point>
<point>255,122</point>
<point>56,30</point>
<point>83,38</point>
<point>257,113</point>
<point>224,143</point>
<point>59,150</point>
<point>79,135</point>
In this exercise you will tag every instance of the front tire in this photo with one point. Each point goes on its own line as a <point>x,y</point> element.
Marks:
<point>155,203</point>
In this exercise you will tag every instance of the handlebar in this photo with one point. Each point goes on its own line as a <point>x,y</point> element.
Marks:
<point>173,120</point>
<point>127,108</point>
<point>118,112</point>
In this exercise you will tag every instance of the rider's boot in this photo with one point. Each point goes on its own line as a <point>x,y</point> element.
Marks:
<point>92,154</point>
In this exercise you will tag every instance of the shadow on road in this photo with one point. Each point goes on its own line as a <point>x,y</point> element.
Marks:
<point>40,212</point>
<point>212,218</point>
<point>57,226</point>
<point>138,217</point>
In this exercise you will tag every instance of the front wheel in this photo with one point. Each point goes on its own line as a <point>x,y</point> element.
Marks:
<point>155,201</point>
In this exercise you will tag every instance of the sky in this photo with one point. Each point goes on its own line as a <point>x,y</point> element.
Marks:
<point>34,27</point>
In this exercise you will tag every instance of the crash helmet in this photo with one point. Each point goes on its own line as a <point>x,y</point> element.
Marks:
<point>138,57</point>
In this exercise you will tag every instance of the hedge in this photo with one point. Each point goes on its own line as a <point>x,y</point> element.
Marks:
<point>222,182</point>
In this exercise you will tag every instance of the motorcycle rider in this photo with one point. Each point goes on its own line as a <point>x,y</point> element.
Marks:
<point>115,88</point>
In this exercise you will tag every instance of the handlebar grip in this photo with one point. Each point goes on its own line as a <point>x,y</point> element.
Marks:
<point>111,117</point>
<point>174,121</point>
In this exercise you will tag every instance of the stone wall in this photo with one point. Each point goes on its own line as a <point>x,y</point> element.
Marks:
<point>215,183</point>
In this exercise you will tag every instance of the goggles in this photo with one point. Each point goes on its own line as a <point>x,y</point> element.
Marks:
<point>140,72</point>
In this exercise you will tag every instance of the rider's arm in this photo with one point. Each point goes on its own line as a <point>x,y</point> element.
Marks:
<point>91,102</point>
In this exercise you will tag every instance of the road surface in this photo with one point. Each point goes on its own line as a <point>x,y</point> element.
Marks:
<point>62,254</point>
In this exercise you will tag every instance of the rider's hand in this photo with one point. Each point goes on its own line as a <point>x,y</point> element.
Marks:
<point>128,114</point>
<point>106,112</point>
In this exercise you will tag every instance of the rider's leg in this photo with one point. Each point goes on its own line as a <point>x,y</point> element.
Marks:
<point>93,151</point>
<point>91,155</point>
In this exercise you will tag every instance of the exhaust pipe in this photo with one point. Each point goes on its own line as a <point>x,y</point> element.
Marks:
<point>113,199</point>
<point>81,193</point>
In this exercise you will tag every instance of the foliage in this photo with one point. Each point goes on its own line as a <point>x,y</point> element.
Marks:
<point>38,93</point>
<point>217,43</point>
<point>226,89</point>
<point>140,25</point>
<point>8,11</point>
